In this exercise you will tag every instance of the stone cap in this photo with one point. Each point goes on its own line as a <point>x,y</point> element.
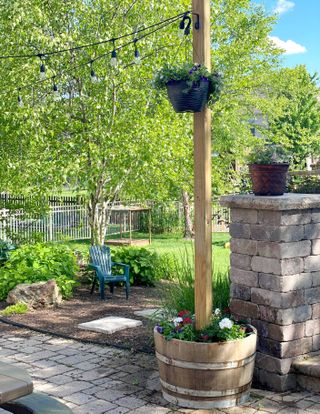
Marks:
<point>288,201</point>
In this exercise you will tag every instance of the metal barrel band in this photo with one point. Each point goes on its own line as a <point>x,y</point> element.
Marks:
<point>205,366</point>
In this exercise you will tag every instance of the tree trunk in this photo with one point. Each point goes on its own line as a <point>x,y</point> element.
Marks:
<point>188,232</point>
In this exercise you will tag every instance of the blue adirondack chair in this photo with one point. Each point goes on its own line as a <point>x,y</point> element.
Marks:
<point>102,264</point>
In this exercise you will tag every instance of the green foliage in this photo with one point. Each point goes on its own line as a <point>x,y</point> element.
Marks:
<point>179,294</point>
<point>18,308</point>
<point>39,262</point>
<point>269,154</point>
<point>66,285</point>
<point>182,327</point>
<point>304,184</point>
<point>142,262</point>
<point>296,123</point>
<point>165,218</point>
<point>166,266</point>
<point>191,74</point>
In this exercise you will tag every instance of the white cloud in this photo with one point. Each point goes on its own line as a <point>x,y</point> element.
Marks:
<point>289,46</point>
<point>283,6</point>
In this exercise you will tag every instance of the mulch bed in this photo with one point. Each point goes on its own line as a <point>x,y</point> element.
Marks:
<point>83,307</point>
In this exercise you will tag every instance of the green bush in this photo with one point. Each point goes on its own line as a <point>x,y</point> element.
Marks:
<point>18,308</point>
<point>166,266</point>
<point>39,262</point>
<point>142,262</point>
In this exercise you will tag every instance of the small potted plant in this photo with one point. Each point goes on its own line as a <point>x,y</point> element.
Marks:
<point>268,169</point>
<point>210,368</point>
<point>189,86</point>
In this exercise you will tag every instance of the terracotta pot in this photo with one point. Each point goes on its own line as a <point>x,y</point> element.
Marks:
<point>186,99</point>
<point>206,375</point>
<point>268,179</point>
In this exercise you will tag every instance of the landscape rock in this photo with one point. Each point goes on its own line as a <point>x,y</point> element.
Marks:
<point>36,295</point>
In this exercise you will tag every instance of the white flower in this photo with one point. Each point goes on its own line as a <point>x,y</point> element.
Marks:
<point>177,321</point>
<point>226,323</point>
<point>217,312</point>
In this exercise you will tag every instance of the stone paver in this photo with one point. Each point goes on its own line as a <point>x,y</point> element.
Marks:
<point>110,324</point>
<point>104,380</point>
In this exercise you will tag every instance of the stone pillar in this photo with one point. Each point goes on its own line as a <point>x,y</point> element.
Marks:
<point>275,278</point>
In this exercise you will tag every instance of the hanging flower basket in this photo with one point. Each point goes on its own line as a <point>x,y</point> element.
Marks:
<point>186,99</point>
<point>189,86</point>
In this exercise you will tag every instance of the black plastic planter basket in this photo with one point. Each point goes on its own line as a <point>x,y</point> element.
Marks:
<point>186,99</point>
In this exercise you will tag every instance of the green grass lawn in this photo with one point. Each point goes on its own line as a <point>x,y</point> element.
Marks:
<point>176,244</point>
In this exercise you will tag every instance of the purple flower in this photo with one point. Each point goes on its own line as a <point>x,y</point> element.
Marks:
<point>159,329</point>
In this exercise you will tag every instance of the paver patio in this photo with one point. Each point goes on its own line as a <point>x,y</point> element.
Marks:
<point>96,379</point>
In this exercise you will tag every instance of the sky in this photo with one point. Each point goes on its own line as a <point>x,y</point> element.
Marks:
<point>297,31</point>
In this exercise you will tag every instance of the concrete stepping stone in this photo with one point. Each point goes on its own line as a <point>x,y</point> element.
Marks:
<point>150,313</point>
<point>110,324</point>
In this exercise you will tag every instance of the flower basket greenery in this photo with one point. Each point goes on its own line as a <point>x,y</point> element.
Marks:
<point>189,86</point>
<point>182,326</point>
<point>268,166</point>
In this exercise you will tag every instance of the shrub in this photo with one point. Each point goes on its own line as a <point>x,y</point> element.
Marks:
<point>142,262</point>
<point>18,308</point>
<point>166,266</point>
<point>39,262</point>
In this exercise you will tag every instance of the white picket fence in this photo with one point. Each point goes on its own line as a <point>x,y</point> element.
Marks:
<point>70,222</point>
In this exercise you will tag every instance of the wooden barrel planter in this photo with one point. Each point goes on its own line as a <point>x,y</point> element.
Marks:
<point>206,375</point>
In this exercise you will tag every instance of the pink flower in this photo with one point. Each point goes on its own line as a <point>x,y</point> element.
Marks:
<point>187,321</point>
<point>183,313</point>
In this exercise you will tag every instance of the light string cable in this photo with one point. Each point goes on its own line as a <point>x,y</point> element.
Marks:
<point>163,24</point>
<point>101,42</point>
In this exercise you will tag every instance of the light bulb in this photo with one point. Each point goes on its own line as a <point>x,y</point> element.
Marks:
<point>42,71</point>
<point>181,33</point>
<point>55,92</point>
<point>137,57</point>
<point>114,61</point>
<point>20,102</point>
<point>93,76</point>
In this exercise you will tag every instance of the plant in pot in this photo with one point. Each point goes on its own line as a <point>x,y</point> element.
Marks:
<point>189,86</point>
<point>268,167</point>
<point>207,368</point>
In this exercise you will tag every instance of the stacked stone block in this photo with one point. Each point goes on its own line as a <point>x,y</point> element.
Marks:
<point>275,279</point>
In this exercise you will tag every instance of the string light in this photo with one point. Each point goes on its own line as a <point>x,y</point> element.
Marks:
<point>114,60</point>
<point>55,91</point>
<point>20,101</point>
<point>181,29</point>
<point>42,69</point>
<point>168,21</point>
<point>137,57</point>
<point>93,75</point>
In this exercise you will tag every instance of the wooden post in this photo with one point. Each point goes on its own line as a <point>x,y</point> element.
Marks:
<point>202,176</point>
